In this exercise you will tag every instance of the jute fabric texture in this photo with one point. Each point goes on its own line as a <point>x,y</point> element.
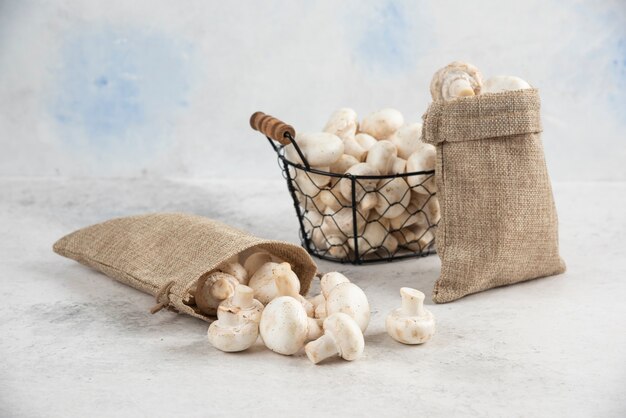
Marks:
<point>164,254</point>
<point>498,220</point>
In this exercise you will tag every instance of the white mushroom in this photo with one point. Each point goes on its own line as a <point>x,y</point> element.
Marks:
<point>285,326</point>
<point>316,300</point>
<point>363,186</point>
<point>373,237</point>
<point>255,260</point>
<point>311,203</point>
<point>353,148</point>
<point>288,284</point>
<point>410,216</point>
<point>231,332</point>
<point>407,139</point>
<point>321,149</point>
<point>342,337</point>
<point>382,156</point>
<point>341,222</point>
<point>264,282</point>
<point>343,123</point>
<point>235,269</point>
<point>343,164</point>
<point>337,246</point>
<point>398,166</point>
<point>309,183</point>
<point>502,83</point>
<point>404,236</point>
<point>365,141</point>
<point>432,210</point>
<point>332,198</point>
<point>422,160</point>
<point>457,79</point>
<point>212,289</point>
<point>349,299</point>
<point>312,221</point>
<point>412,323</point>
<point>389,247</point>
<point>330,280</point>
<point>243,304</point>
<point>382,124</point>
<point>394,197</point>
<point>320,311</point>
<point>423,240</point>
<point>337,228</point>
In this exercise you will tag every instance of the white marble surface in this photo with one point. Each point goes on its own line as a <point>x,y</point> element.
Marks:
<point>75,343</point>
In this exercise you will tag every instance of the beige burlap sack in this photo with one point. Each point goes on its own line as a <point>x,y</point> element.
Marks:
<point>164,254</point>
<point>498,221</point>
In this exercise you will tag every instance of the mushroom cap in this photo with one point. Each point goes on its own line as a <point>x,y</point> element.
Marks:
<point>382,123</point>
<point>502,83</point>
<point>362,185</point>
<point>321,149</point>
<point>343,123</point>
<point>346,334</point>
<point>372,238</point>
<point>423,159</point>
<point>407,139</point>
<point>345,161</point>
<point>394,197</point>
<point>382,156</point>
<point>320,311</point>
<point>366,141</point>
<point>234,269</point>
<point>255,260</point>
<point>284,325</point>
<point>348,298</point>
<point>410,329</point>
<point>264,284</point>
<point>330,280</point>
<point>232,338</point>
<point>212,289</point>
<point>457,70</point>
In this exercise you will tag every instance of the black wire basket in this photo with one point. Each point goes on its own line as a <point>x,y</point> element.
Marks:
<point>350,218</point>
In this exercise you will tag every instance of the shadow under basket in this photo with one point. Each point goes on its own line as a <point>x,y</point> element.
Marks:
<point>356,219</point>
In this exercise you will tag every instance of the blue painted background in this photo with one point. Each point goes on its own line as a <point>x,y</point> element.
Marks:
<point>162,89</point>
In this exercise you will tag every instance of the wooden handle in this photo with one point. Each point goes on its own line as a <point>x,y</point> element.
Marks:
<point>272,127</point>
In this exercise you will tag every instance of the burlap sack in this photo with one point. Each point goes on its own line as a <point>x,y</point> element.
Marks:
<point>165,254</point>
<point>498,221</point>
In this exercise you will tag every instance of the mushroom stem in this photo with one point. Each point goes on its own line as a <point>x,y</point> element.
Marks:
<point>284,282</point>
<point>412,301</point>
<point>315,330</point>
<point>227,318</point>
<point>321,349</point>
<point>461,87</point>
<point>243,297</point>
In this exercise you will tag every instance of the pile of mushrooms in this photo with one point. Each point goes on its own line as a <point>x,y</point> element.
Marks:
<point>393,212</point>
<point>460,79</point>
<point>256,293</point>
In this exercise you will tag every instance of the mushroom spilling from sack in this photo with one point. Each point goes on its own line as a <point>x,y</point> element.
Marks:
<point>368,191</point>
<point>272,306</point>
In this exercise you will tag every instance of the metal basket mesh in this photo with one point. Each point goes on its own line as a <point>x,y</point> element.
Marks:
<point>362,219</point>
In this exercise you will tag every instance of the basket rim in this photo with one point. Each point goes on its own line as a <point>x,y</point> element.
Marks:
<point>280,150</point>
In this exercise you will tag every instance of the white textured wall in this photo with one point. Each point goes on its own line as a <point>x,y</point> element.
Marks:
<point>164,88</point>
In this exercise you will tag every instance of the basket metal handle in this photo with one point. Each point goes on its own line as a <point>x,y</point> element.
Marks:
<point>277,130</point>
